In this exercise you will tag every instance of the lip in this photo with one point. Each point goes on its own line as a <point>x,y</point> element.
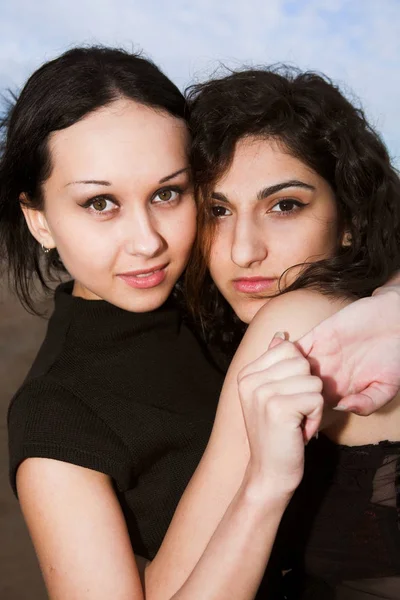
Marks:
<point>145,278</point>
<point>253,285</point>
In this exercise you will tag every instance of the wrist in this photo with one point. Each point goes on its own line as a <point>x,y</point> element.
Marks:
<point>266,492</point>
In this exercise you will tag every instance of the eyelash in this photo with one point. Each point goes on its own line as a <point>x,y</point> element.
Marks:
<point>88,205</point>
<point>174,188</point>
<point>299,205</point>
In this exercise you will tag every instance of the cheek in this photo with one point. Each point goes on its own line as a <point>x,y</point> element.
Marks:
<point>322,237</point>
<point>178,228</point>
<point>219,261</point>
<point>313,237</point>
<point>84,245</point>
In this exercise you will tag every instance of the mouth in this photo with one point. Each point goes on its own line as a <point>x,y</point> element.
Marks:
<point>253,285</point>
<point>145,278</point>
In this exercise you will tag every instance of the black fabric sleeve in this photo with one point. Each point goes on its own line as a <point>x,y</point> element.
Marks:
<point>47,421</point>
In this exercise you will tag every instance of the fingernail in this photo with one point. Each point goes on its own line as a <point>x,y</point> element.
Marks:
<point>341,408</point>
<point>280,334</point>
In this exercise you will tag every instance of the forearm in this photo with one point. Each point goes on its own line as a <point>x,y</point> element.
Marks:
<point>234,561</point>
<point>232,565</point>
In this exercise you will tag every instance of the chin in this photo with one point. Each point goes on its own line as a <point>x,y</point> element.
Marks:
<point>139,301</point>
<point>144,304</point>
<point>246,312</point>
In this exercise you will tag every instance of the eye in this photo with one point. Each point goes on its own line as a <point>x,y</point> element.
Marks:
<point>166,195</point>
<point>287,206</point>
<point>100,205</point>
<point>218,211</point>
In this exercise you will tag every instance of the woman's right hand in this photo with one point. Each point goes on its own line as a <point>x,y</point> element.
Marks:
<point>282,407</point>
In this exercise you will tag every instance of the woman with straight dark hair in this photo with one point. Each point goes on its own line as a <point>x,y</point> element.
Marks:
<point>115,413</point>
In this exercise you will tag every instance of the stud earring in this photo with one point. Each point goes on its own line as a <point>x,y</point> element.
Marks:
<point>347,239</point>
<point>45,250</point>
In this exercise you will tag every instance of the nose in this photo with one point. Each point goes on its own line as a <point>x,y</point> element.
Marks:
<point>249,244</point>
<point>143,237</point>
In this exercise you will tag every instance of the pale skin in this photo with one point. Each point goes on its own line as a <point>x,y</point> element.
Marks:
<point>108,218</point>
<point>211,562</point>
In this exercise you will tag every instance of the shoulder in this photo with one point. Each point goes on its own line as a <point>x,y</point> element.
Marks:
<point>38,394</point>
<point>38,398</point>
<point>47,421</point>
<point>294,313</point>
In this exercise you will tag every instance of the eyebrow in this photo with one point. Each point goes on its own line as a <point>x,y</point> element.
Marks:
<point>89,182</point>
<point>168,177</point>
<point>101,182</point>
<point>270,190</point>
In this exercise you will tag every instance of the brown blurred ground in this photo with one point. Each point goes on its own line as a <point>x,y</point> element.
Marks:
<point>20,337</point>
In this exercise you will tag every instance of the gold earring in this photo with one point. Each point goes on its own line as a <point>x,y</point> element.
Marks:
<point>347,239</point>
<point>45,250</point>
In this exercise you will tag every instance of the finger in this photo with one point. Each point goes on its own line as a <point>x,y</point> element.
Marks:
<point>279,336</point>
<point>284,369</point>
<point>297,410</point>
<point>374,397</point>
<point>283,350</point>
<point>289,367</point>
<point>312,420</point>
<point>261,394</point>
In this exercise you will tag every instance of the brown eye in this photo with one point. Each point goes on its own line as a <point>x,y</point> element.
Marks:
<point>165,195</point>
<point>99,204</point>
<point>287,206</point>
<point>219,211</point>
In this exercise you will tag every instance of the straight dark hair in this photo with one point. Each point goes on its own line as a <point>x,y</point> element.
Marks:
<point>56,96</point>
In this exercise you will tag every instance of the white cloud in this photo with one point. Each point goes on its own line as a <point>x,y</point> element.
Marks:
<point>356,42</point>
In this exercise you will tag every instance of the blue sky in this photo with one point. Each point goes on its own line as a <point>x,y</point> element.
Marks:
<point>355,42</point>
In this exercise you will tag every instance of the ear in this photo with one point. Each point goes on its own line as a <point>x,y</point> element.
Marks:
<point>37,223</point>
<point>347,239</point>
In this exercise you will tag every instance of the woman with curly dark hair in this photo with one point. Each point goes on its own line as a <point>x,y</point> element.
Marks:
<point>300,216</point>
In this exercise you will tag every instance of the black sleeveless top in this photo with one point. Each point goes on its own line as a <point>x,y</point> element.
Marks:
<point>132,395</point>
<point>340,538</point>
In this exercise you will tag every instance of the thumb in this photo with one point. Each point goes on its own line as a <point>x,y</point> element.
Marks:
<point>278,338</point>
<point>369,400</point>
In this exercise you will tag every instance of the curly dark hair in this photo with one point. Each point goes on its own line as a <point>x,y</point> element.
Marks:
<point>309,115</point>
<point>56,96</point>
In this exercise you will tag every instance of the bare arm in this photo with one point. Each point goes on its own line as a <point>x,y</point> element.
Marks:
<point>78,531</point>
<point>223,466</point>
